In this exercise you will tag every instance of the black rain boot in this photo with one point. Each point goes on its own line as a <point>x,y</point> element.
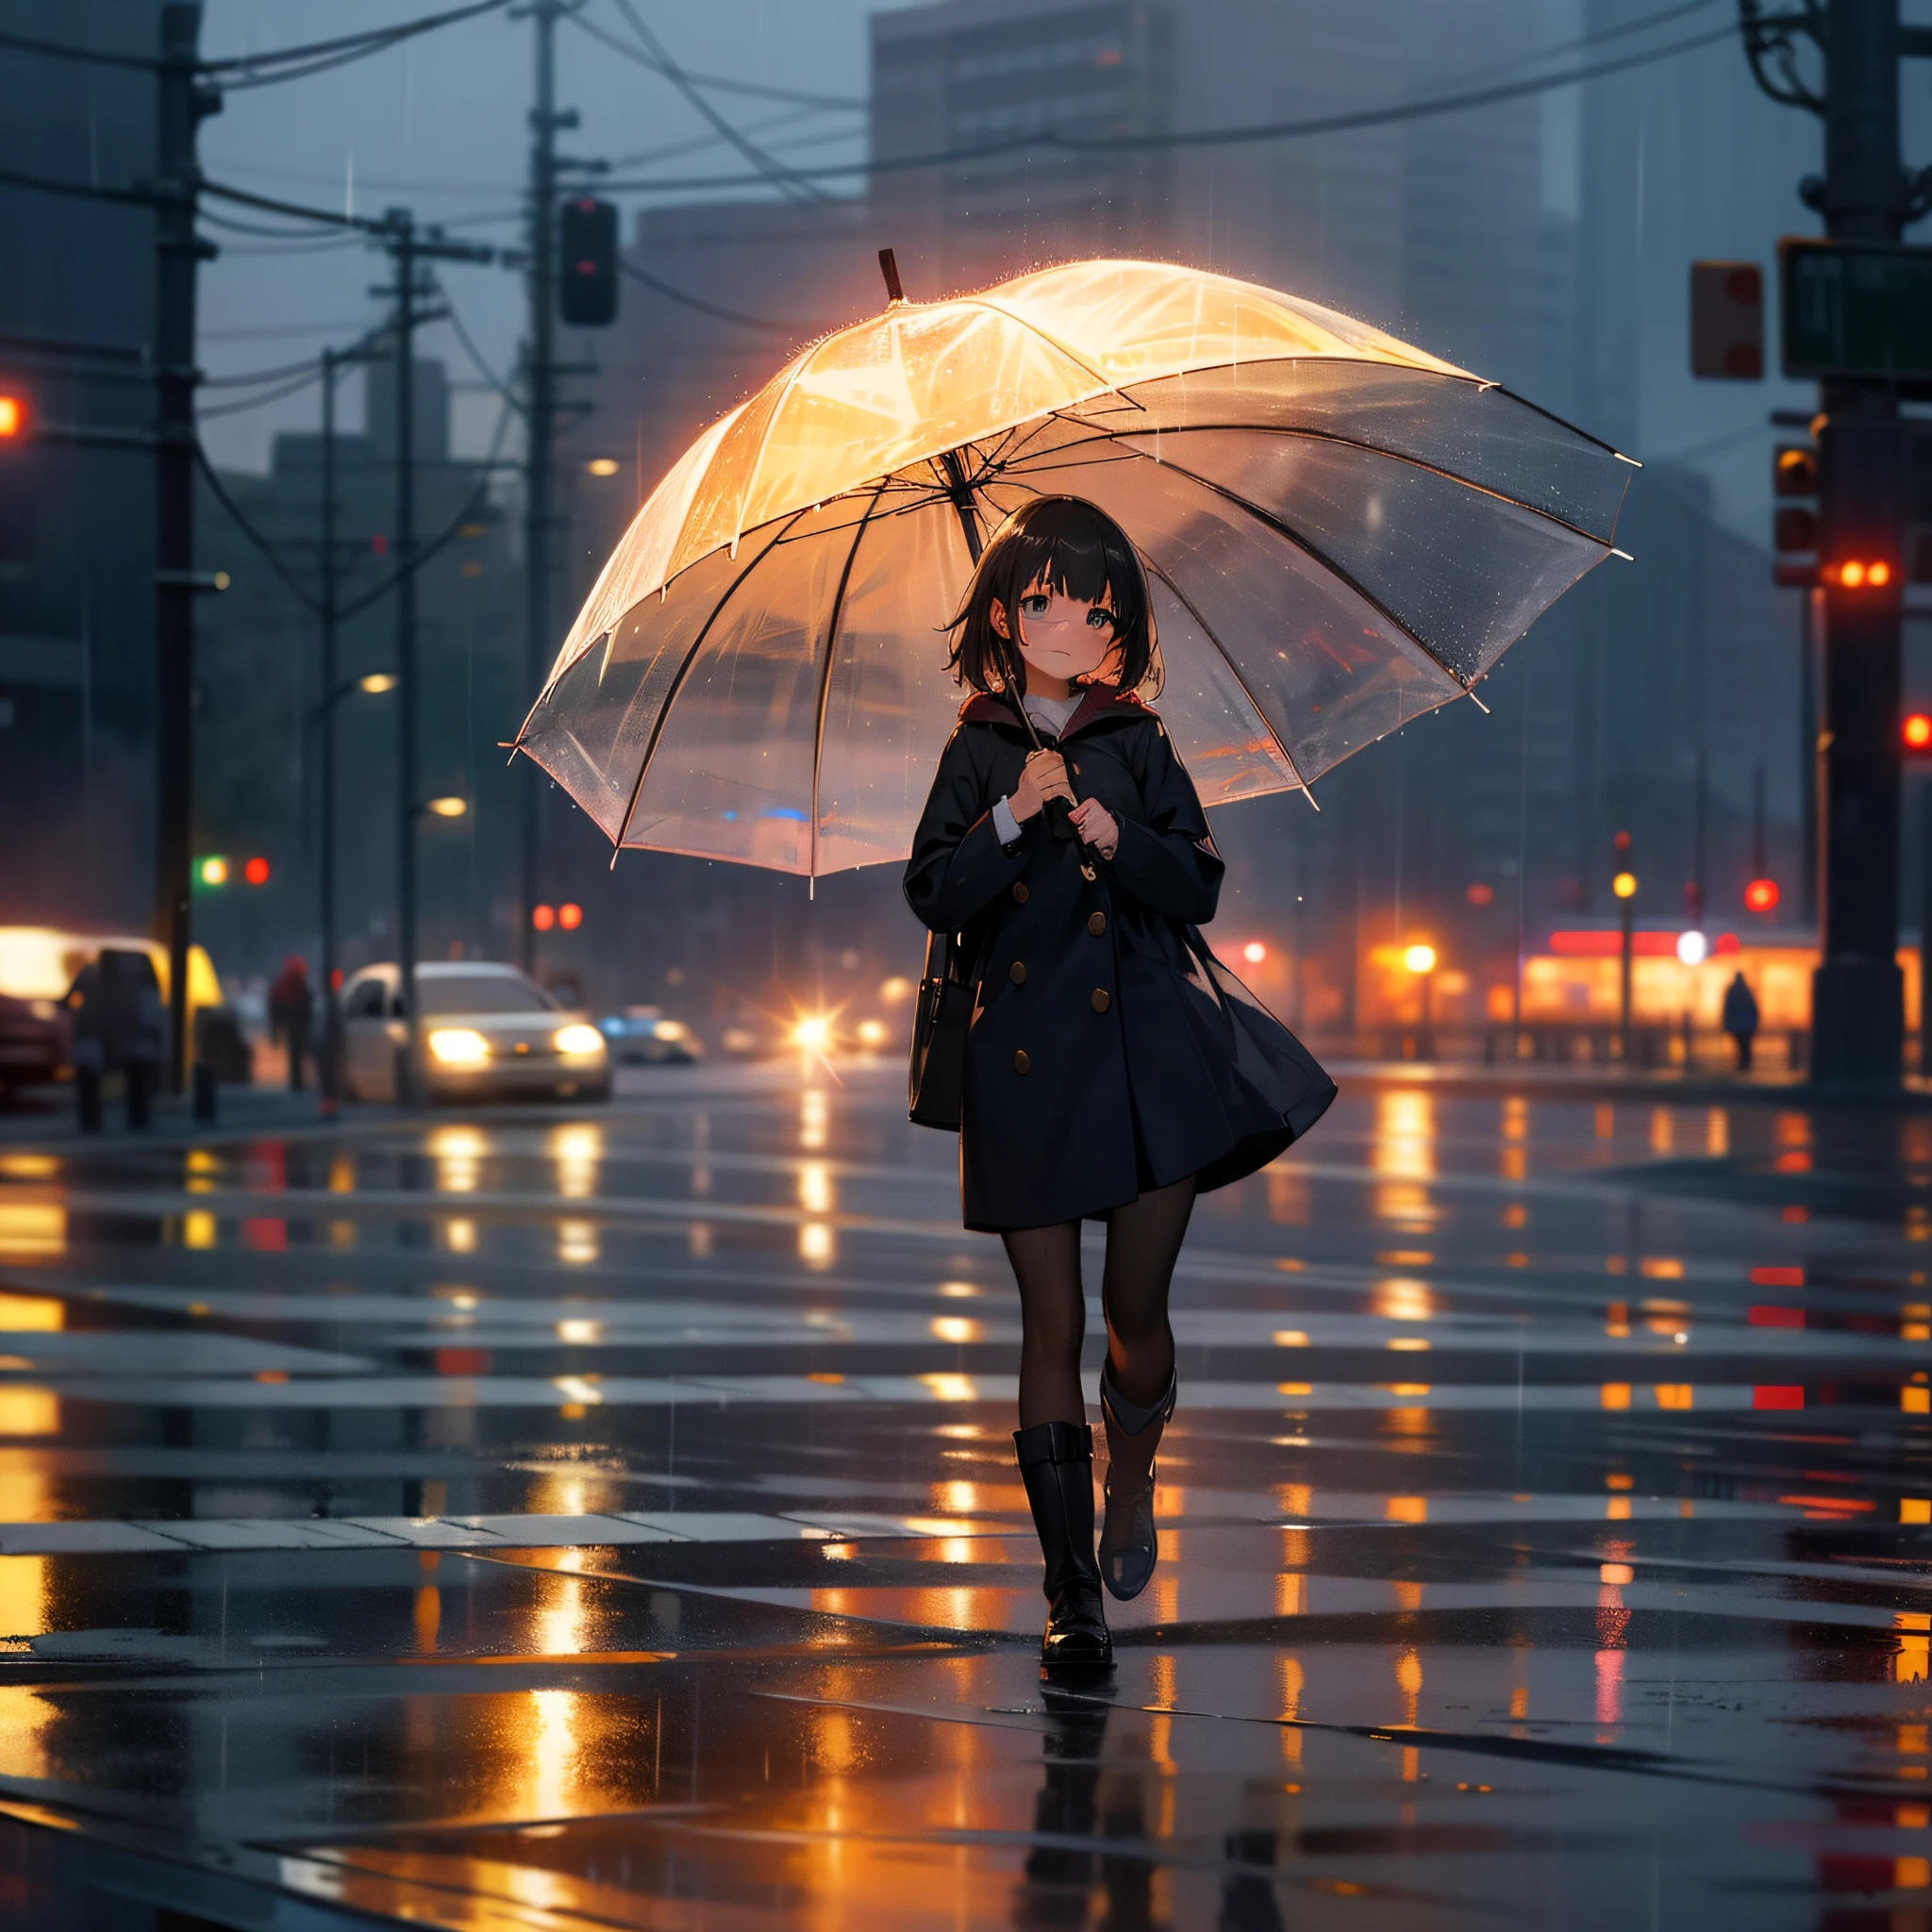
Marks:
<point>1130,1544</point>
<point>1057,1465</point>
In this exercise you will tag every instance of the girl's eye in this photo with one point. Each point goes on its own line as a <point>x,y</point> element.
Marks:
<point>1098,619</point>
<point>1035,606</point>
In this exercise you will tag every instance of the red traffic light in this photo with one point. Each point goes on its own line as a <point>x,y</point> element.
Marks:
<point>12,416</point>
<point>570,916</point>
<point>1917,731</point>
<point>1762,895</point>
<point>1727,320</point>
<point>255,871</point>
<point>543,917</point>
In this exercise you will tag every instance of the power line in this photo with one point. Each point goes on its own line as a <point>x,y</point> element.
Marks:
<point>319,56</point>
<point>55,50</point>
<point>718,81</point>
<point>138,198</point>
<point>261,402</point>
<point>1535,57</point>
<point>1224,137</point>
<point>476,355</point>
<point>698,302</point>
<point>774,171</point>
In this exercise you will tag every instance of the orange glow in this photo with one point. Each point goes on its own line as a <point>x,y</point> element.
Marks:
<point>569,916</point>
<point>1762,895</point>
<point>543,917</point>
<point>1917,730</point>
<point>1851,575</point>
<point>12,415</point>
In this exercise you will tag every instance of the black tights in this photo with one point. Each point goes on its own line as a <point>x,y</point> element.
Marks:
<point>1144,1241</point>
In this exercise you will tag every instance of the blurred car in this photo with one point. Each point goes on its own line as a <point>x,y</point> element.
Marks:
<point>643,1037</point>
<point>485,1030</point>
<point>34,1042</point>
<point>40,964</point>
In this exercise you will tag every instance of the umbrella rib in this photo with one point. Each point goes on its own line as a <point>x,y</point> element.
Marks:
<point>1268,521</point>
<point>818,743</point>
<point>1395,455</point>
<point>1053,341</point>
<point>1186,604</point>
<point>678,685</point>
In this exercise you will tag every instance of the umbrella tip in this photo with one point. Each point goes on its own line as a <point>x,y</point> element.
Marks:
<point>889,267</point>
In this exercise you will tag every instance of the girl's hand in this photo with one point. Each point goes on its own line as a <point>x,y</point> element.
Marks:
<point>1097,826</point>
<point>1044,777</point>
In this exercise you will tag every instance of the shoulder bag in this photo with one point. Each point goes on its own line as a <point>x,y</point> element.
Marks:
<point>940,1021</point>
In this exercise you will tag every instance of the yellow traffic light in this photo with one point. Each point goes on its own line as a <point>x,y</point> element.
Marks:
<point>1625,885</point>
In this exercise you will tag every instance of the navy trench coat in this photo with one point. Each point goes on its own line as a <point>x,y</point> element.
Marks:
<point>1110,1052</point>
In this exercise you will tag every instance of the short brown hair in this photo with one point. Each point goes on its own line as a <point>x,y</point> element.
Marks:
<point>1068,545</point>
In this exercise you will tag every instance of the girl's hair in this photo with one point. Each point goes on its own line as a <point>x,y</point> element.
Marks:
<point>1063,544</point>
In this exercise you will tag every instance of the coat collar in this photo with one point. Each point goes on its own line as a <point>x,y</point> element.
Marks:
<point>1101,700</point>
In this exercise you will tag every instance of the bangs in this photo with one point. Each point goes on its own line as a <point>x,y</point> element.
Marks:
<point>1082,570</point>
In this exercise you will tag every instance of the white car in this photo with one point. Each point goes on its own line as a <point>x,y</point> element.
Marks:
<point>485,1030</point>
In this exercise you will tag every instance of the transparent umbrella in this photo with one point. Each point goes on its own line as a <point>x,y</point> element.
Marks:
<point>1341,532</point>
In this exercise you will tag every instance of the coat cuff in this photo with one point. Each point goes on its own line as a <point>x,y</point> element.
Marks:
<point>1006,824</point>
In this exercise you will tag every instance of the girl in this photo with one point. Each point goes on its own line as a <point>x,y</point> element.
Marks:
<point>1114,1068</point>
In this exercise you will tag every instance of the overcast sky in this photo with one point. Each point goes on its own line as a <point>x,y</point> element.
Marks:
<point>438,124</point>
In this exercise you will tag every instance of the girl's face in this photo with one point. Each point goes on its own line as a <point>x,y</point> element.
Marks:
<point>1061,638</point>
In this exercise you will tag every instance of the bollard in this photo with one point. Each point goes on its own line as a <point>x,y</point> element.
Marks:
<point>206,1093</point>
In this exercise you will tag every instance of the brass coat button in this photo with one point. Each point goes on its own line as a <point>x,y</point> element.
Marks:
<point>1021,1063</point>
<point>1017,972</point>
<point>1102,999</point>
<point>1096,924</point>
<point>1020,892</point>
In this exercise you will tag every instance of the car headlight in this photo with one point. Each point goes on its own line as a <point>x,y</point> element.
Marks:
<point>577,1040</point>
<point>673,1029</point>
<point>458,1046</point>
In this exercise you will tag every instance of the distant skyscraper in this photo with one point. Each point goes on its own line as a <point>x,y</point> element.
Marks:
<point>76,519</point>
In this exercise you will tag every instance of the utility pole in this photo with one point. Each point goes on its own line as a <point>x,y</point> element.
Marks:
<point>1859,994</point>
<point>330,1080</point>
<point>184,103</point>
<point>1857,997</point>
<point>540,424</point>
<point>408,248</point>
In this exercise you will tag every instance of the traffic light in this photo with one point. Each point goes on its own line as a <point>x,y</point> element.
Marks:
<point>1727,320</point>
<point>1624,883</point>
<point>1794,522</point>
<point>1762,895</point>
<point>1917,732</point>
<point>587,262</point>
<point>12,418</point>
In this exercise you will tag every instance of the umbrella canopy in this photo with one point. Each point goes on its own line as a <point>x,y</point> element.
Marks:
<point>1341,532</point>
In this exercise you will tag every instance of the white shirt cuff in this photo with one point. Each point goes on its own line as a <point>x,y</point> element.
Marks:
<point>1005,823</point>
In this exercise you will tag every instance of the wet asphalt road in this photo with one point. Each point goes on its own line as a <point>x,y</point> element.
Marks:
<point>605,1516</point>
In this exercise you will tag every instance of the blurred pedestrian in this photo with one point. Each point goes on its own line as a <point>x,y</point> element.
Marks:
<point>116,1006</point>
<point>290,1013</point>
<point>1740,1018</point>
<point>1112,1068</point>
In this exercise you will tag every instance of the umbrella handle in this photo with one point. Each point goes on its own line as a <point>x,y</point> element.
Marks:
<point>1059,814</point>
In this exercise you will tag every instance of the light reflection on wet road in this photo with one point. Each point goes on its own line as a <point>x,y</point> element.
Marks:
<point>531,1517</point>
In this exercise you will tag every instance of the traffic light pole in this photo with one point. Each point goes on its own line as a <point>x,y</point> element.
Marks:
<point>1858,992</point>
<point>183,103</point>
